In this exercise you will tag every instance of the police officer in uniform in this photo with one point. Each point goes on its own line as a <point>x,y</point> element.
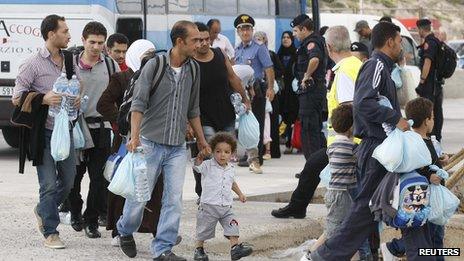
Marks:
<point>310,71</point>
<point>257,56</point>
<point>430,87</point>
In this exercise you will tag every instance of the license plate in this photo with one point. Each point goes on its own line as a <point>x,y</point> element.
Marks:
<point>6,90</point>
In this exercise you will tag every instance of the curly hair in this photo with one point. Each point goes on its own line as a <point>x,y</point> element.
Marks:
<point>342,118</point>
<point>223,137</point>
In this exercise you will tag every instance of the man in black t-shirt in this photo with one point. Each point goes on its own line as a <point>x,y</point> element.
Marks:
<point>217,82</point>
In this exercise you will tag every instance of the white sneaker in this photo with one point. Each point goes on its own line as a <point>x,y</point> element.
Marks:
<point>306,257</point>
<point>386,254</point>
<point>115,241</point>
<point>53,241</point>
<point>255,168</point>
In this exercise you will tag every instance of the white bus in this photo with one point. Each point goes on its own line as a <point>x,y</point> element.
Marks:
<point>20,27</point>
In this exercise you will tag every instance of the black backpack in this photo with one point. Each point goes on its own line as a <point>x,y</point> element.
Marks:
<point>160,69</point>
<point>446,61</point>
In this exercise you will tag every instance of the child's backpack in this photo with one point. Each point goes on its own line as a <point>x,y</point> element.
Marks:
<point>412,201</point>
<point>401,201</point>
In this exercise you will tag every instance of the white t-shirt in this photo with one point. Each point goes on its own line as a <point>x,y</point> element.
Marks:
<point>177,71</point>
<point>224,44</point>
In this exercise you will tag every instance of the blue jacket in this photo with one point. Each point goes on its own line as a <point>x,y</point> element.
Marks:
<point>374,79</point>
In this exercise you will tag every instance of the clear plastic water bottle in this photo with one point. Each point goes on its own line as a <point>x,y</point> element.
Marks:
<point>84,103</point>
<point>142,190</point>
<point>236,100</point>
<point>436,145</point>
<point>59,87</point>
<point>71,94</point>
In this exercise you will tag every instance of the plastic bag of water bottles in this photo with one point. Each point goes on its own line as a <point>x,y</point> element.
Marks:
<point>142,188</point>
<point>248,131</point>
<point>443,203</point>
<point>123,182</point>
<point>78,137</point>
<point>325,176</point>
<point>59,87</point>
<point>236,100</point>
<point>60,142</point>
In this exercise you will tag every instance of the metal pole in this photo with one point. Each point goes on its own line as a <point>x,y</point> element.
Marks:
<point>361,6</point>
<point>316,17</point>
<point>144,8</point>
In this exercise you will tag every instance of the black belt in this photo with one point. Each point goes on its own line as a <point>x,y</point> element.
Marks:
<point>90,120</point>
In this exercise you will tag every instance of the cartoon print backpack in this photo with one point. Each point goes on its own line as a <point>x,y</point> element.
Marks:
<point>412,200</point>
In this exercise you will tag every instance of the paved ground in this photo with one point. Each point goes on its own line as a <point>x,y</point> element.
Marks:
<point>21,241</point>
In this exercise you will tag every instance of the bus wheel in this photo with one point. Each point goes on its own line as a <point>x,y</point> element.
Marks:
<point>11,135</point>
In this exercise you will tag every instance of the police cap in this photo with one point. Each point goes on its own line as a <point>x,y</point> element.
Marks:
<point>243,20</point>
<point>299,19</point>
<point>423,22</point>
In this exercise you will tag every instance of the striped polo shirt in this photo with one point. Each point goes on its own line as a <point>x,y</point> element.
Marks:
<point>342,163</point>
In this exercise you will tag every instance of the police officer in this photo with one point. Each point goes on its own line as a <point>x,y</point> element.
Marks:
<point>430,87</point>
<point>310,71</point>
<point>374,79</point>
<point>257,56</point>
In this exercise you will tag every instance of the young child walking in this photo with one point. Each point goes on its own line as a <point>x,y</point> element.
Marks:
<point>217,181</point>
<point>342,163</point>
<point>420,110</point>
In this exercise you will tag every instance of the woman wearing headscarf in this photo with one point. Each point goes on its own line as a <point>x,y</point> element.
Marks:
<point>271,141</point>
<point>288,98</point>
<point>137,55</point>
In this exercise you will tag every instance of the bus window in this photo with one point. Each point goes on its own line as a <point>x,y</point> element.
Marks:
<point>287,8</point>
<point>129,6</point>
<point>130,27</point>
<point>156,6</point>
<point>257,7</point>
<point>185,6</point>
<point>224,7</point>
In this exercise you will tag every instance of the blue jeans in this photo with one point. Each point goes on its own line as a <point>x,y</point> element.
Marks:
<point>172,160</point>
<point>56,180</point>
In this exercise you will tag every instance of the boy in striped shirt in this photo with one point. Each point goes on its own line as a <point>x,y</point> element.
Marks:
<point>342,163</point>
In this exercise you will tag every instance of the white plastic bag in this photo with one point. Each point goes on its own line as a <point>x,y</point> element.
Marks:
<point>268,106</point>
<point>60,141</point>
<point>443,203</point>
<point>123,182</point>
<point>325,176</point>
<point>248,131</point>
<point>78,137</point>
<point>403,152</point>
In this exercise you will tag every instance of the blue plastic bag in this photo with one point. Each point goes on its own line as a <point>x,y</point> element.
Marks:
<point>248,131</point>
<point>113,161</point>
<point>325,175</point>
<point>123,182</point>
<point>402,152</point>
<point>443,202</point>
<point>78,137</point>
<point>60,142</point>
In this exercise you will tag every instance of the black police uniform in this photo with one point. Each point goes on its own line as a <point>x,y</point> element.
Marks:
<point>374,79</point>
<point>312,99</point>
<point>432,87</point>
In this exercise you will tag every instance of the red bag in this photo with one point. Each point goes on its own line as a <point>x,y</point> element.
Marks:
<point>296,135</point>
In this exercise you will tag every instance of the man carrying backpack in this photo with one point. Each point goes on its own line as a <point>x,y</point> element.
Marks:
<point>94,69</point>
<point>166,96</point>
<point>431,82</point>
